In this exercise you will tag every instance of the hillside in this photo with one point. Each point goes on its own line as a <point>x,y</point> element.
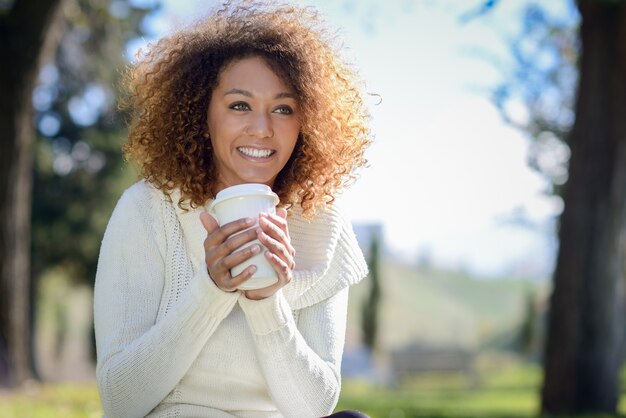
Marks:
<point>441,308</point>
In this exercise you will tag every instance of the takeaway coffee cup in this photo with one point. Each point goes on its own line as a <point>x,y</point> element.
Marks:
<point>247,201</point>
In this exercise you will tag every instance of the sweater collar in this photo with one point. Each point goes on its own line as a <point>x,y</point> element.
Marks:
<point>193,231</point>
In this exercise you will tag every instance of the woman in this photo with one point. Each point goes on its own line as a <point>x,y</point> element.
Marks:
<point>252,94</point>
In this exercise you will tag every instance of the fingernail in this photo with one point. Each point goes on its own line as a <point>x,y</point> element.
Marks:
<point>249,221</point>
<point>255,249</point>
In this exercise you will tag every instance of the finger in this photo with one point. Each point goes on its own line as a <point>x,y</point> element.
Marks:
<point>233,283</point>
<point>277,220</point>
<point>220,272</point>
<point>281,221</point>
<point>243,277</point>
<point>220,234</point>
<point>281,268</point>
<point>272,229</point>
<point>238,240</point>
<point>240,256</point>
<point>282,250</point>
<point>276,232</point>
<point>209,222</point>
<point>215,254</point>
<point>282,212</point>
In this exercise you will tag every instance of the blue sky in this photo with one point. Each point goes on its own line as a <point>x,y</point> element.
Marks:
<point>446,175</point>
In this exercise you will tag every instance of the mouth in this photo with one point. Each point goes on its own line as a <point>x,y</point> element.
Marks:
<point>256,152</point>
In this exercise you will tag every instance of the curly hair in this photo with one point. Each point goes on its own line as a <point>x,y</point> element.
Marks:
<point>170,86</point>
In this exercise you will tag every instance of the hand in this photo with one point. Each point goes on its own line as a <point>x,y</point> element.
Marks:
<point>221,250</point>
<point>274,235</point>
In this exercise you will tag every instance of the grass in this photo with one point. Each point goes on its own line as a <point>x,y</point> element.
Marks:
<point>74,401</point>
<point>450,403</point>
<point>502,392</point>
<point>52,401</point>
<point>511,392</point>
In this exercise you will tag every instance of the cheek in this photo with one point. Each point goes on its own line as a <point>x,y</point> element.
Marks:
<point>296,138</point>
<point>217,146</point>
<point>290,144</point>
<point>292,147</point>
<point>295,131</point>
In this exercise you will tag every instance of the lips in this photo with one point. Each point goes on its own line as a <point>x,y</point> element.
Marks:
<point>256,152</point>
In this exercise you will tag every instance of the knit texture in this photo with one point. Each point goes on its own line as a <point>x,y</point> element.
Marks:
<point>171,344</point>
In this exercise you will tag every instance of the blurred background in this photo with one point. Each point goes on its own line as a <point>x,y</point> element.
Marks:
<point>473,107</point>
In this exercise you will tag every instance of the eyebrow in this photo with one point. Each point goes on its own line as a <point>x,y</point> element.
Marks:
<point>248,94</point>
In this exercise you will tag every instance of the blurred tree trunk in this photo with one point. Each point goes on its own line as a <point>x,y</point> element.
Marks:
<point>586,322</point>
<point>28,34</point>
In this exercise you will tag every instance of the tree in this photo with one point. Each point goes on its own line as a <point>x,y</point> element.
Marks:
<point>543,80</point>
<point>527,337</point>
<point>28,33</point>
<point>369,313</point>
<point>575,105</point>
<point>79,171</point>
<point>77,165</point>
<point>586,321</point>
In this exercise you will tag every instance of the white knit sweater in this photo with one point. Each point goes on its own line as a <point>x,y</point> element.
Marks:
<point>171,344</point>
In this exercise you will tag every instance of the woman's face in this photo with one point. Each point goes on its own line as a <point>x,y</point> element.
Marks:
<point>253,121</point>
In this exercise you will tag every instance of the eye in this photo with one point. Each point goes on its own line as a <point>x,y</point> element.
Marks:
<point>284,110</point>
<point>241,106</point>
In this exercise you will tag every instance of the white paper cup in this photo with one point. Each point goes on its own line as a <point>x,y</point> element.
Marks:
<point>247,201</point>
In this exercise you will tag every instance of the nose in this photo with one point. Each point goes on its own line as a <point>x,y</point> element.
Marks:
<point>260,125</point>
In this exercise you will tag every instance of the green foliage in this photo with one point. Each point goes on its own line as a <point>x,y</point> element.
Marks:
<point>371,305</point>
<point>70,212</point>
<point>527,339</point>
<point>542,79</point>
<point>79,170</point>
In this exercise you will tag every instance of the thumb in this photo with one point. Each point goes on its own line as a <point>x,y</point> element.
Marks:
<point>209,222</point>
<point>282,212</point>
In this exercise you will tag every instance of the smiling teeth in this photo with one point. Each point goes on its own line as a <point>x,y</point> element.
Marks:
<point>256,153</point>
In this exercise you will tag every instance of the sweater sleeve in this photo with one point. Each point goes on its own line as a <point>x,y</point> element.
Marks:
<point>140,359</point>
<point>301,362</point>
<point>328,257</point>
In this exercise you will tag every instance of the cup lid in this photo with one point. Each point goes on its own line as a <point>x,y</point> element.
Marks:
<point>246,189</point>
